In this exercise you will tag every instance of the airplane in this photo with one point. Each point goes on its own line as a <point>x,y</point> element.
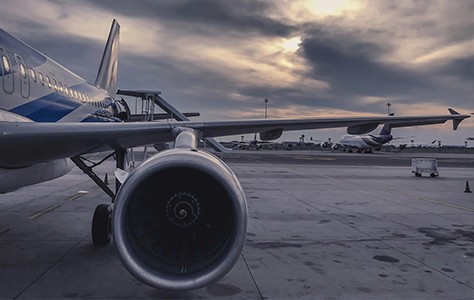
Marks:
<point>254,144</point>
<point>179,219</point>
<point>366,143</point>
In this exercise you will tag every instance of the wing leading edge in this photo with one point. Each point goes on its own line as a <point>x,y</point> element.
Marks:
<point>23,144</point>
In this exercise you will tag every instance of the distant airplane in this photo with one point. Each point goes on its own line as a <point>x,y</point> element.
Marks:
<point>254,144</point>
<point>180,218</point>
<point>366,143</point>
<point>424,144</point>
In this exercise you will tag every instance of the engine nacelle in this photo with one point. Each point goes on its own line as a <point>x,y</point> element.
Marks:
<point>180,220</point>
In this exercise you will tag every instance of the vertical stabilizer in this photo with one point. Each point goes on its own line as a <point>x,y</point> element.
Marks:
<point>386,129</point>
<point>107,76</point>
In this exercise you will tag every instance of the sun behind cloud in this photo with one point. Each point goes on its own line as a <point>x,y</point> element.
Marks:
<point>292,44</point>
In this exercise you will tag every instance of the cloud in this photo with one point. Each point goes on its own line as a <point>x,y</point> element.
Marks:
<point>209,16</point>
<point>352,67</point>
<point>462,68</point>
<point>223,58</point>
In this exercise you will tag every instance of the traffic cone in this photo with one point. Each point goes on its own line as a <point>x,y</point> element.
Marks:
<point>467,190</point>
<point>106,179</point>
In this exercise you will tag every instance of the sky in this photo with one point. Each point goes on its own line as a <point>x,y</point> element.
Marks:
<point>310,58</point>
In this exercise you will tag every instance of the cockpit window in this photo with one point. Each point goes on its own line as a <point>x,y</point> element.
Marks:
<point>6,64</point>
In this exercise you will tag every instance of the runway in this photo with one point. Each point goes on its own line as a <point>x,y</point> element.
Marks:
<point>321,226</point>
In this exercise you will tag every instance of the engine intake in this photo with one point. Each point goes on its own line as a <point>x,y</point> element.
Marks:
<point>180,220</point>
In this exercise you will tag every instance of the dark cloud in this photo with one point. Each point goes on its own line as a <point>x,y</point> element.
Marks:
<point>462,68</point>
<point>353,67</point>
<point>214,15</point>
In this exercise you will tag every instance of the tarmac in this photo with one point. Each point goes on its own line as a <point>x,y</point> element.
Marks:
<point>321,226</point>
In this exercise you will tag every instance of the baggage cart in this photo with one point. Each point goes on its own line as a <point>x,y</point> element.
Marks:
<point>427,165</point>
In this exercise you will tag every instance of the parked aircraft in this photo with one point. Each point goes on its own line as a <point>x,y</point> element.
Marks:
<point>254,144</point>
<point>366,143</point>
<point>180,218</point>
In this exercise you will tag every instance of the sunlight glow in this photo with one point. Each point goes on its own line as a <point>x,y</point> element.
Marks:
<point>324,8</point>
<point>291,45</point>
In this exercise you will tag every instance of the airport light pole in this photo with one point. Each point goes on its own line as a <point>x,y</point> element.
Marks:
<point>266,106</point>
<point>388,108</point>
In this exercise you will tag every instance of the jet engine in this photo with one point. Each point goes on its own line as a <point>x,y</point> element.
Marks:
<point>180,220</point>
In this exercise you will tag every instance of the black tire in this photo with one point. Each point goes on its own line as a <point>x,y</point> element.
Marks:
<point>433,175</point>
<point>418,174</point>
<point>102,225</point>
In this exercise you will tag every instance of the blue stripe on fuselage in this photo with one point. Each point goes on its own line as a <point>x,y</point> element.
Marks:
<point>49,108</point>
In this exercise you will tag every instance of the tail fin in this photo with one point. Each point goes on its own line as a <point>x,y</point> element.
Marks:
<point>386,129</point>
<point>107,76</point>
<point>455,121</point>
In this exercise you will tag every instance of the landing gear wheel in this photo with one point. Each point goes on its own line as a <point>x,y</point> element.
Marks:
<point>102,225</point>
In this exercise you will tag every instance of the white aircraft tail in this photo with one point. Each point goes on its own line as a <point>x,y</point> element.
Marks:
<point>386,129</point>
<point>107,76</point>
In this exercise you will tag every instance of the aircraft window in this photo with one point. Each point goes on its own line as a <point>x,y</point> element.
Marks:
<point>22,71</point>
<point>33,74</point>
<point>48,81</point>
<point>41,78</point>
<point>6,64</point>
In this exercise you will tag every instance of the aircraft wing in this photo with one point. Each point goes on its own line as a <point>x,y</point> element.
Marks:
<point>26,143</point>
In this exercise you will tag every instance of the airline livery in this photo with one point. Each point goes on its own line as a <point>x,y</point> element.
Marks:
<point>365,142</point>
<point>178,220</point>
